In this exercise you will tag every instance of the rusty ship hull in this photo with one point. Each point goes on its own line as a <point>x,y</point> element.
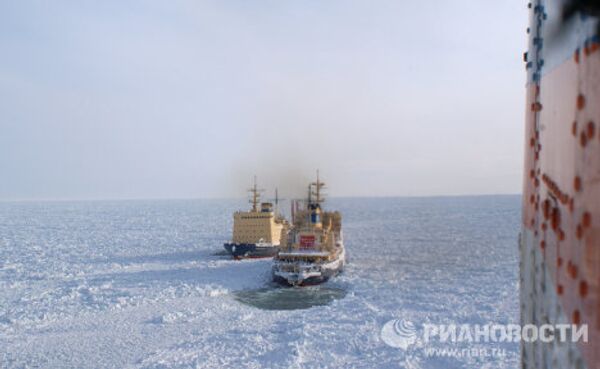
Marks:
<point>560,237</point>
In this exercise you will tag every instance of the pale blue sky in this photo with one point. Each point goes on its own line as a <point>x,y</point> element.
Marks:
<point>172,99</point>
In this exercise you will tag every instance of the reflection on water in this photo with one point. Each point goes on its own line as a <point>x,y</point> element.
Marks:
<point>282,298</point>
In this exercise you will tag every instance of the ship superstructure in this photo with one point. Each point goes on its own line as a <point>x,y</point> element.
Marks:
<point>314,250</point>
<point>258,232</point>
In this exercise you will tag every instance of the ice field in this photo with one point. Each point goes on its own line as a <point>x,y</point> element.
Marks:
<point>145,284</point>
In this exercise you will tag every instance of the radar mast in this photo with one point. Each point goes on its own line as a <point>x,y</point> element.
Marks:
<point>255,193</point>
<point>316,193</point>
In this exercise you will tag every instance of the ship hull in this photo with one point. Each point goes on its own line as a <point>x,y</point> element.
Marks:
<point>560,234</point>
<point>307,276</point>
<point>305,281</point>
<point>250,250</point>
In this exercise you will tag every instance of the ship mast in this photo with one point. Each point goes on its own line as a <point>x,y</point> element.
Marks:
<point>318,185</point>
<point>255,196</point>
<point>277,199</point>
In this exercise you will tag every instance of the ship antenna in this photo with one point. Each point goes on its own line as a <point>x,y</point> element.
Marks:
<point>276,201</point>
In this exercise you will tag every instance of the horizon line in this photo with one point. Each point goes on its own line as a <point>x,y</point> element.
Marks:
<point>31,200</point>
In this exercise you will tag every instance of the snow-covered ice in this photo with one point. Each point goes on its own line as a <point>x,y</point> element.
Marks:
<point>144,284</point>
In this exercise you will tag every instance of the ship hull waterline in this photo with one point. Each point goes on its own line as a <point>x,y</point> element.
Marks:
<point>250,251</point>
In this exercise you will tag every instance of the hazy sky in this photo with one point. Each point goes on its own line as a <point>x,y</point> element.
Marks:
<point>172,99</point>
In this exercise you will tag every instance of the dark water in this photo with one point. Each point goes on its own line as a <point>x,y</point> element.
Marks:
<point>290,298</point>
